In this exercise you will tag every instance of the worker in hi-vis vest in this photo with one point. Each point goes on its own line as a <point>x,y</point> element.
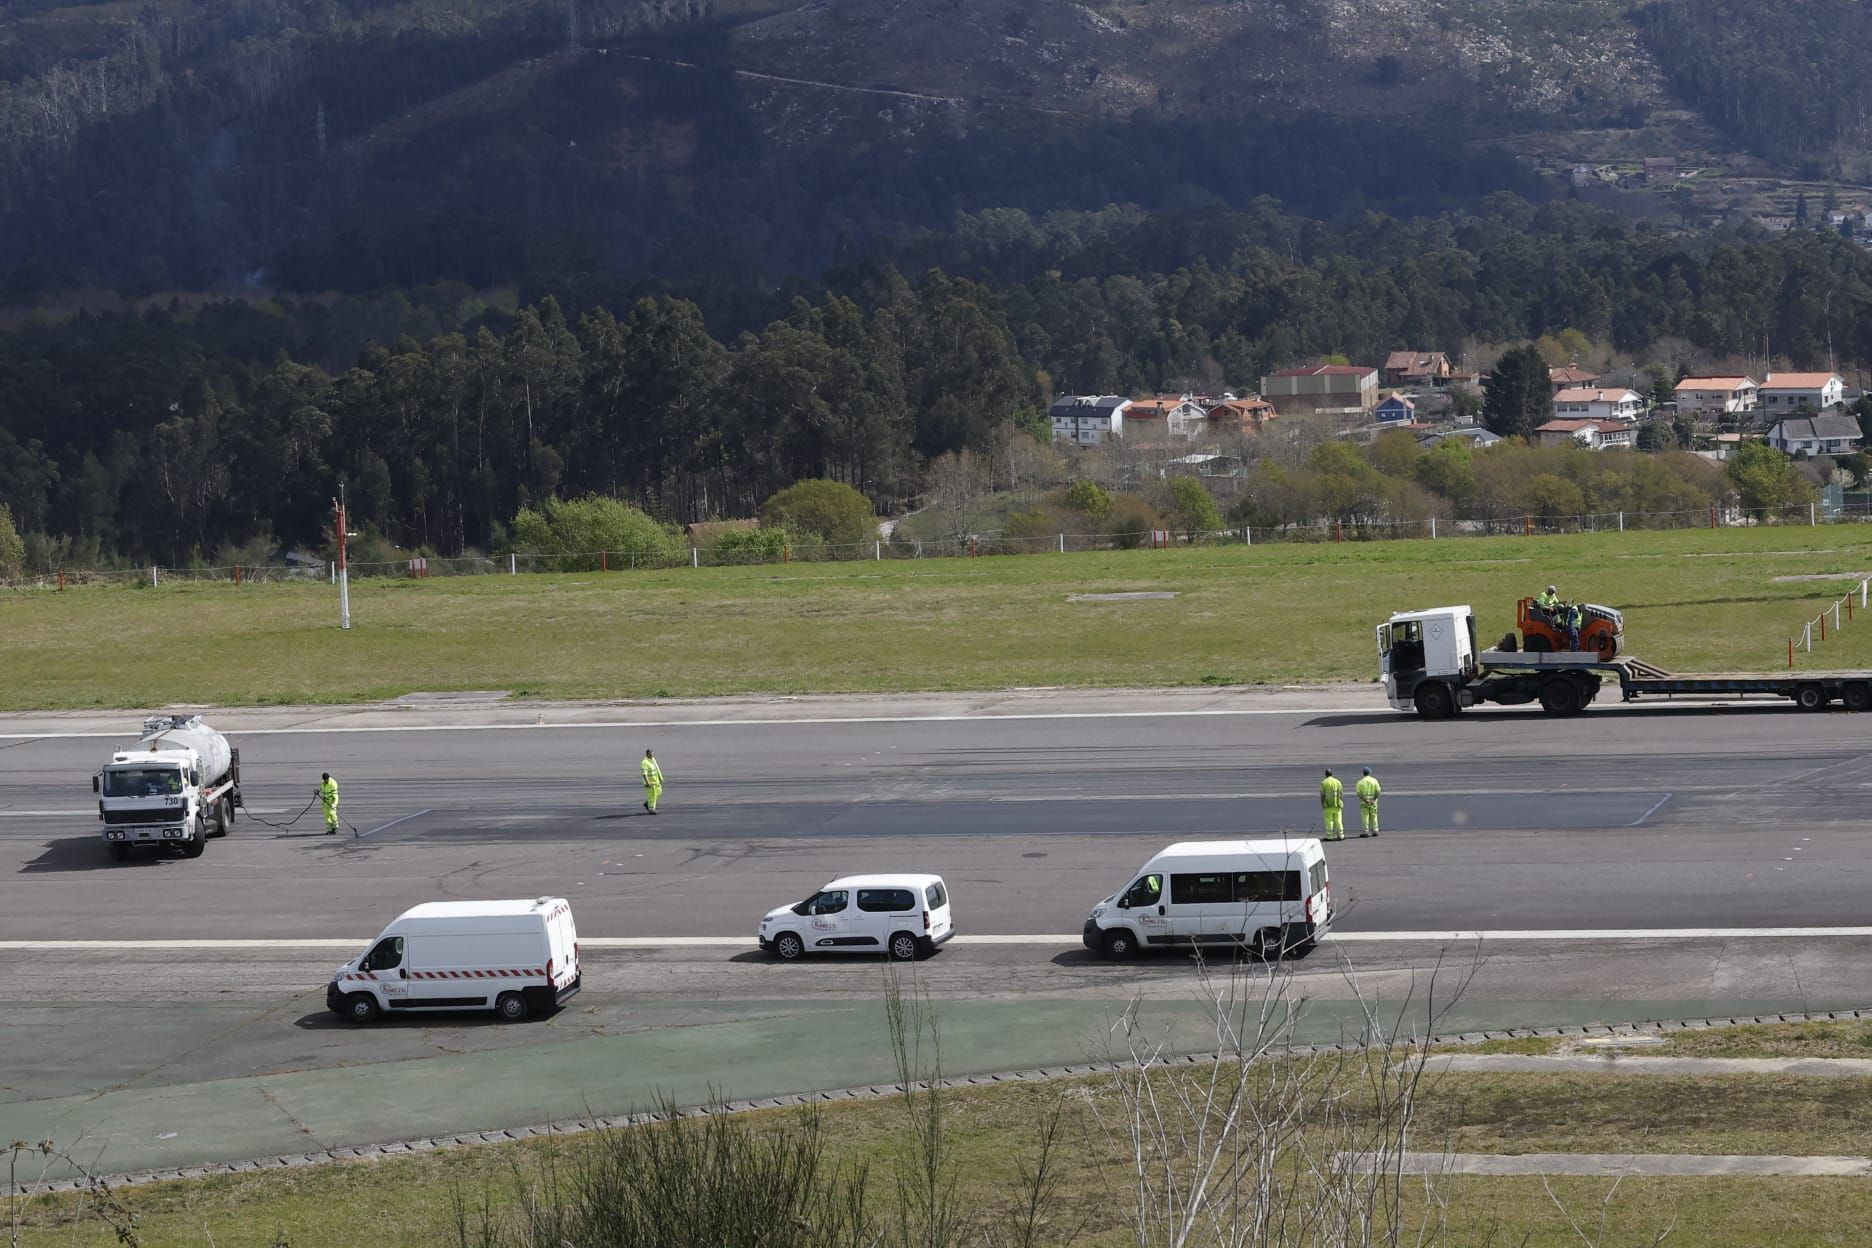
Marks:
<point>1332,806</point>
<point>327,794</point>
<point>1368,791</point>
<point>652,781</point>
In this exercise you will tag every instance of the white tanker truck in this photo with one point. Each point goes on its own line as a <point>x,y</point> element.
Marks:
<point>175,788</point>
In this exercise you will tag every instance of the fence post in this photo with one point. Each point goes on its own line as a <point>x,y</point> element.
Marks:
<point>61,578</point>
<point>1338,530</point>
<point>334,571</point>
<point>155,577</point>
<point>237,574</point>
<point>695,556</point>
<point>1836,617</point>
<point>1433,528</point>
<point>604,561</point>
<point>513,565</point>
<point>877,550</point>
<point>1247,534</point>
<point>1823,626</point>
<point>1621,522</point>
<point>1712,515</point>
<point>1807,637</point>
<point>1862,591</point>
<point>1812,519</point>
<point>1062,544</point>
<point>1527,526</point>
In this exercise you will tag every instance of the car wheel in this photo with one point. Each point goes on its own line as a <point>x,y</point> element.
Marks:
<point>1120,944</point>
<point>788,947</point>
<point>902,947</point>
<point>512,1007</point>
<point>120,852</point>
<point>360,1008</point>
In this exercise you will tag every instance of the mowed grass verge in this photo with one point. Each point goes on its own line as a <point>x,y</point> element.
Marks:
<point>1698,600</point>
<point>409,1200</point>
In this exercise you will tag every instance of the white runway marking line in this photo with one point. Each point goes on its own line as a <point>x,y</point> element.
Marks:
<point>726,942</point>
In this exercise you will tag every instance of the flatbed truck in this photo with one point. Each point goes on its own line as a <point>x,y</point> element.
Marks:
<point>1430,664</point>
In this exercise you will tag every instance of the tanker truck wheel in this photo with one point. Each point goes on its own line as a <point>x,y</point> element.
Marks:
<point>193,847</point>
<point>223,816</point>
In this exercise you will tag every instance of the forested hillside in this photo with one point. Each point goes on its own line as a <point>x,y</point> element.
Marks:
<point>172,435</point>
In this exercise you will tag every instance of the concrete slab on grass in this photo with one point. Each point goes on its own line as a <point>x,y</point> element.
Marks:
<point>1620,1165</point>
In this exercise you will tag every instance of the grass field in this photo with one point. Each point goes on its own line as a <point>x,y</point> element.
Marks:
<point>409,1200</point>
<point>1694,600</point>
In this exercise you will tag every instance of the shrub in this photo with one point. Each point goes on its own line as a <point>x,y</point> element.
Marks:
<point>1193,507</point>
<point>577,530</point>
<point>830,512</point>
<point>1132,520</point>
<point>12,549</point>
<point>1089,499</point>
<point>762,545</point>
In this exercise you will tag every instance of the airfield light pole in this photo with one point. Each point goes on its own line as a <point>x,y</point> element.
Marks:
<point>344,574</point>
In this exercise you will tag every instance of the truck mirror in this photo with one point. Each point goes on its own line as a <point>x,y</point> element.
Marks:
<point>95,788</point>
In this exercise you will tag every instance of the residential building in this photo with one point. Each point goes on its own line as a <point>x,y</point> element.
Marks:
<point>1718,396</point>
<point>1783,394</point>
<point>1165,418</point>
<point>1572,377</point>
<point>1476,436</point>
<point>1594,435</point>
<point>1229,416</point>
<point>1396,408</point>
<point>1417,369</point>
<point>1321,387</point>
<point>1087,419</point>
<point>1599,404</point>
<point>1816,435</point>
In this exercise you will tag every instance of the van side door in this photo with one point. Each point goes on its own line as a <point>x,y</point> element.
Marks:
<point>384,965</point>
<point>829,919</point>
<point>1199,907</point>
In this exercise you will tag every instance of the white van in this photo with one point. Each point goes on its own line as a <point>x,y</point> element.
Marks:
<point>513,957</point>
<point>905,916</point>
<point>1264,896</point>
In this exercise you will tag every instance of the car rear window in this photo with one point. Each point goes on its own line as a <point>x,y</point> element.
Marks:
<point>936,895</point>
<point>886,900</point>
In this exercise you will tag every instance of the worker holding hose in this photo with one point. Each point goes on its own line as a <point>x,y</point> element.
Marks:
<point>327,794</point>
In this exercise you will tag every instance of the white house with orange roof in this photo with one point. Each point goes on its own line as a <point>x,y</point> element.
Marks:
<point>1718,396</point>
<point>1783,394</point>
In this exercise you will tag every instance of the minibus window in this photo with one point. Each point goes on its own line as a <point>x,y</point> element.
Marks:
<point>1145,892</point>
<point>1293,892</point>
<point>1196,889</point>
<point>885,900</point>
<point>1258,885</point>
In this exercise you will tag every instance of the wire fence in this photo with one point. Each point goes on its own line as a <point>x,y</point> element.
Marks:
<point>1816,628</point>
<point>984,544</point>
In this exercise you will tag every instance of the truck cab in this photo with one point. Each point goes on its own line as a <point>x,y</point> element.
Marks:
<point>1422,655</point>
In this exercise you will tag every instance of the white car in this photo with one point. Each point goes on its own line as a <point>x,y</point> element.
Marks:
<point>904,916</point>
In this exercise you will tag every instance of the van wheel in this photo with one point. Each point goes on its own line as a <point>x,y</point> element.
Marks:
<point>788,947</point>
<point>360,1008</point>
<point>120,852</point>
<point>902,947</point>
<point>1858,696</point>
<point>1810,698</point>
<point>1120,944</point>
<point>511,1007</point>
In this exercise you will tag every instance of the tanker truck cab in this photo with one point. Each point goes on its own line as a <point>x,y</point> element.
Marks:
<point>1424,656</point>
<point>516,958</point>
<point>174,789</point>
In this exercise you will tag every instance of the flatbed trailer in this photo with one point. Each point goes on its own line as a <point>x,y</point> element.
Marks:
<point>1429,663</point>
<point>1566,683</point>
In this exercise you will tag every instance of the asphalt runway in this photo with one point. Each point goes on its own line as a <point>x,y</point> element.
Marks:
<point>1604,827</point>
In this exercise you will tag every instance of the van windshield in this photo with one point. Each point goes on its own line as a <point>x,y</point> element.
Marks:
<point>143,782</point>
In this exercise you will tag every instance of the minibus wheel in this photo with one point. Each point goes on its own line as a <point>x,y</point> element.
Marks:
<point>1120,944</point>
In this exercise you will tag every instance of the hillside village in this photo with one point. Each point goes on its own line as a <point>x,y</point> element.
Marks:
<point>1422,393</point>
